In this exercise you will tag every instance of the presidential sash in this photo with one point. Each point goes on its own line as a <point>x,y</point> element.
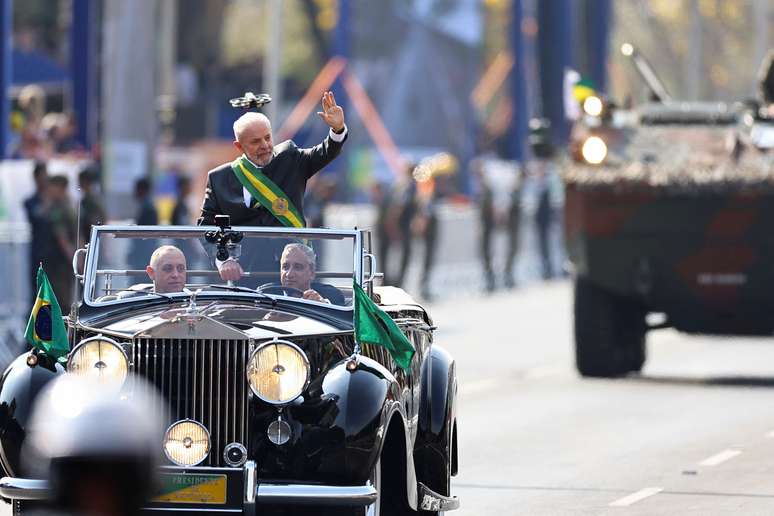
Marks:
<point>268,195</point>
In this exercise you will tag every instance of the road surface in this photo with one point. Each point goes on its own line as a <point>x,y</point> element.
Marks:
<point>694,434</point>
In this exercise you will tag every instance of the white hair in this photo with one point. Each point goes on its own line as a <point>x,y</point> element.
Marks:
<point>308,252</point>
<point>248,119</point>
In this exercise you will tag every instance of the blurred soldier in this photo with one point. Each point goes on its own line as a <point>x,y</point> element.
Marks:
<point>40,236</point>
<point>317,200</point>
<point>500,207</point>
<point>397,214</point>
<point>181,215</point>
<point>141,250</point>
<point>766,83</point>
<point>380,197</point>
<point>92,212</point>
<point>58,263</point>
<point>433,185</point>
<point>97,446</point>
<point>545,172</point>
<point>319,197</point>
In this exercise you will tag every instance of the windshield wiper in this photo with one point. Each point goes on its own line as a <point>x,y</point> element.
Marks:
<point>237,288</point>
<point>233,288</point>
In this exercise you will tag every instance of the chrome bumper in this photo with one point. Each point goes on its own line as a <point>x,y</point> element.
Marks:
<point>24,488</point>
<point>303,494</point>
<point>298,494</point>
<point>429,500</point>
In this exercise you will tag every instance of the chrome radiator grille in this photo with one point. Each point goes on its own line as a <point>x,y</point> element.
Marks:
<point>203,380</point>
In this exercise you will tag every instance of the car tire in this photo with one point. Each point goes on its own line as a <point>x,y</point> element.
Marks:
<point>609,332</point>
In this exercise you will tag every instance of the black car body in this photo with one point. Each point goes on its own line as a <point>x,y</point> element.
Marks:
<point>361,426</point>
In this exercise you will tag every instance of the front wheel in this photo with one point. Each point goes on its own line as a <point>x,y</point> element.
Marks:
<point>609,332</point>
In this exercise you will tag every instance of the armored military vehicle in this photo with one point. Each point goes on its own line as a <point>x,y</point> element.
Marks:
<point>668,224</point>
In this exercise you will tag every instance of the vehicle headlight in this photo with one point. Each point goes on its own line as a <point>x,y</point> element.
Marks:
<point>594,150</point>
<point>100,359</point>
<point>187,443</point>
<point>278,372</point>
<point>593,105</point>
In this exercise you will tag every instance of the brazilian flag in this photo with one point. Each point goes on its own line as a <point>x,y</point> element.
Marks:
<point>46,329</point>
<point>374,326</point>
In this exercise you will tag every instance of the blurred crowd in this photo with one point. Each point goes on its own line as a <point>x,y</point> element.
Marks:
<point>407,216</point>
<point>60,224</point>
<point>407,209</point>
<point>40,135</point>
<point>504,192</point>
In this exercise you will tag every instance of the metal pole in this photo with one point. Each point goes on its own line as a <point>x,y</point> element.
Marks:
<point>6,22</point>
<point>341,48</point>
<point>273,59</point>
<point>167,61</point>
<point>597,34</point>
<point>693,68</point>
<point>82,54</point>
<point>129,95</point>
<point>554,43</point>
<point>518,86</point>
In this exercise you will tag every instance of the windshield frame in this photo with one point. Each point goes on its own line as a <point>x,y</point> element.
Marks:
<point>92,255</point>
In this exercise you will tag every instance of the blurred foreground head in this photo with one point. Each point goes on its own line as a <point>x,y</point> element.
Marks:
<point>98,446</point>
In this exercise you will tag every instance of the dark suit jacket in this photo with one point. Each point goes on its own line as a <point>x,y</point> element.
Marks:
<point>290,169</point>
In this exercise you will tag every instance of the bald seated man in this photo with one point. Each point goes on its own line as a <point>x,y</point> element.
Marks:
<point>167,269</point>
<point>285,165</point>
<point>298,266</point>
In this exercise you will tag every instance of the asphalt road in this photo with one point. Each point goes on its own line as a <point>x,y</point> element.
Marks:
<point>692,435</point>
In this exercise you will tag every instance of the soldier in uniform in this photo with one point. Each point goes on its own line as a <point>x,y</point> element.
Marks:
<point>58,263</point>
<point>543,169</point>
<point>499,207</point>
<point>766,83</point>
<point>92,212</point>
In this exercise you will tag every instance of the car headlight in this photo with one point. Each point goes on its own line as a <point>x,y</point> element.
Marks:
<point>593,105</point>
<point>278,372</point>
<point>99,358</point>
<point>594,150</point>
<point>187,443</point>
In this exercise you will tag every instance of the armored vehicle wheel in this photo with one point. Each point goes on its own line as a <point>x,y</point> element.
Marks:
<point>609,333</point>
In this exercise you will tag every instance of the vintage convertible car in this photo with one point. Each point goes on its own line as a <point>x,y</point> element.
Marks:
<point>270,401</point>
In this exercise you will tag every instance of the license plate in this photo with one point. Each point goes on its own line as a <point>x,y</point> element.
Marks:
<point>192,488</point>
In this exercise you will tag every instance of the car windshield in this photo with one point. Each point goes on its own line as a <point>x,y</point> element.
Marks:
<point>133,263</point>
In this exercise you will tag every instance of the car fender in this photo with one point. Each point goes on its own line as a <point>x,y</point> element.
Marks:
<point>367,397</point>
<point>19,386</point>
<point>435,442</point>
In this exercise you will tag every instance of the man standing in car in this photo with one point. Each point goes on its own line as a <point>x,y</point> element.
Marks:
<point>265,186</point>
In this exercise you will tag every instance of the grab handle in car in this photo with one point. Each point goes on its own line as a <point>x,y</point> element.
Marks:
<point>373,274</point>
<point>76,256</point>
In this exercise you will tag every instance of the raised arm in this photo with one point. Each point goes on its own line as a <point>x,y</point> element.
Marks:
<point>315,158</point>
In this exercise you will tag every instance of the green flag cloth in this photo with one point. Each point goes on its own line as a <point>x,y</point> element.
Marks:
<point>46,329</point>
<point>374,326</point>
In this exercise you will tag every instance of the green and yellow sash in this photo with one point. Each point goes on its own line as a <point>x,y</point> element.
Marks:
<point>268,195</point>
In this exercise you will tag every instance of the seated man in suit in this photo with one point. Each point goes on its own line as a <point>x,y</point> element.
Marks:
<point>298,265</point>
<point>167,269</point>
